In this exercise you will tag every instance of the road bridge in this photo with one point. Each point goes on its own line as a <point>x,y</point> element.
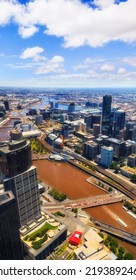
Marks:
<point>130,237</point>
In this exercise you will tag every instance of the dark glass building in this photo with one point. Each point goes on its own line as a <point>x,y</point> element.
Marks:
<point>10,244</point>
<point>119,122</point>
<point>6,103</point>
<point>18,175</point>
<point>107,117</point>
<point>119,148</point>
<point>95,119</point>
<point>15,158</point>
<point>131,131</point>
<point>71,107</point>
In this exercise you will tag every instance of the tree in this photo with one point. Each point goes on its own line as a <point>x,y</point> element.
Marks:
<point>101,235</point>
<point>121,250</point>
<point>113,165</point>
<point>106,242</point>
<point>78,149</point>
<point>128,256</point>
<point>133,178</point>
<point>110,189</point>
<point>120,256</point>
<point>114,242</point>
<point>113,249</point>
<point>122,164</point>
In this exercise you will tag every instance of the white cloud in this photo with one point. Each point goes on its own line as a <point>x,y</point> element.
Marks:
<point>53,65</point>
<point>130,60</point>
<point>31,52</point>
<point>89,62</point>
<point>24,66</point>
<point>104,3</point>
<point>76,22</point>
<point>107,67</point>
<point>27,32</point>
<point>121,71</point>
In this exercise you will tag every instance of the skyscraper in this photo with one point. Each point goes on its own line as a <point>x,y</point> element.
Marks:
<point>6,103</point>
<point>106,156</point>
<point>10,244</point>
<point>119,122</point>
<point>71,107</point>
<point>18,175</point>
<point>131,131</point>
<point>106,115</point>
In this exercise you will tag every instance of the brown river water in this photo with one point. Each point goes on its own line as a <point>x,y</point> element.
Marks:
<point>71,181</point>
<point>5,128</point>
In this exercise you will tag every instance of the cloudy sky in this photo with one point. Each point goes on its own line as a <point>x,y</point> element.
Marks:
<point>68,43</point>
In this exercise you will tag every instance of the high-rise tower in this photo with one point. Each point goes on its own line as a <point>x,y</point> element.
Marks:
<point>19,176</point>
<point>106,115</point>
<point>119,122</point>
<point>10,244</point>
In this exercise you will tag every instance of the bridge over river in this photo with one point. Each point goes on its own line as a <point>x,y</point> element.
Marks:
<point>86,202</point>
<point>129,237</point>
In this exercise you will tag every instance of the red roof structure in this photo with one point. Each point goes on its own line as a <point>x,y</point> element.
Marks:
<point>75,238</point>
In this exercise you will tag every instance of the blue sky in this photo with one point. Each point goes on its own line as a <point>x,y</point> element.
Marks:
<point>68,43</point>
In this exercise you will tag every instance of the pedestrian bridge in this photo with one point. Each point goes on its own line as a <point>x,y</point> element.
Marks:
<point>86,202</point>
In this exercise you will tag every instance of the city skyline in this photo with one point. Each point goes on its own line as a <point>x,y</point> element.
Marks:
<point>66,43</point>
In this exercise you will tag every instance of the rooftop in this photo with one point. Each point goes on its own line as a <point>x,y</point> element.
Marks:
<point>129,169</point>
<point>42,233</point>
<point>13,146</point>
<point>5,197</point>
<point>75,238</point>
<point>93,248</point>
<point>116,141</point>
<point>107,148</point>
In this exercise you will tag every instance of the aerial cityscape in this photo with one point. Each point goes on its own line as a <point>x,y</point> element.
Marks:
<point>67,130</point>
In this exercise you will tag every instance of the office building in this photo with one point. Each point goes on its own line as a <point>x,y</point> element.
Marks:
<point>38,119</point>
<point>45,114</point>
<point>71,107</point>
<point>133,146</point>
<point>32,112</point>
<point>106,115</point>
<point>55,235</point>
<point>119,122</point>
<point>6,103</point>
<point>96,129</point>
<point>10,243</point>
<point>119,148</point>
<point>92,119</point>
<point>56,105</point>
<point>51,104</point>
<point>131,131</point>
<point>95,119</point>
<point>99,142</point>
<point>106,156</point>
<point>2,110</point>
<point>19,176</point>
<point>131,160</point>
<point>65,131</point>
<point>88,121</point>
<point>90,150</point>
<point>106,108</point>
<point>122,134</point>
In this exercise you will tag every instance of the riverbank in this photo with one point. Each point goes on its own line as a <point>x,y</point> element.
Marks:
<point>72,182</point>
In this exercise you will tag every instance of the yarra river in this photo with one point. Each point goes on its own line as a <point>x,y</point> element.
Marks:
<point>72,182</point>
